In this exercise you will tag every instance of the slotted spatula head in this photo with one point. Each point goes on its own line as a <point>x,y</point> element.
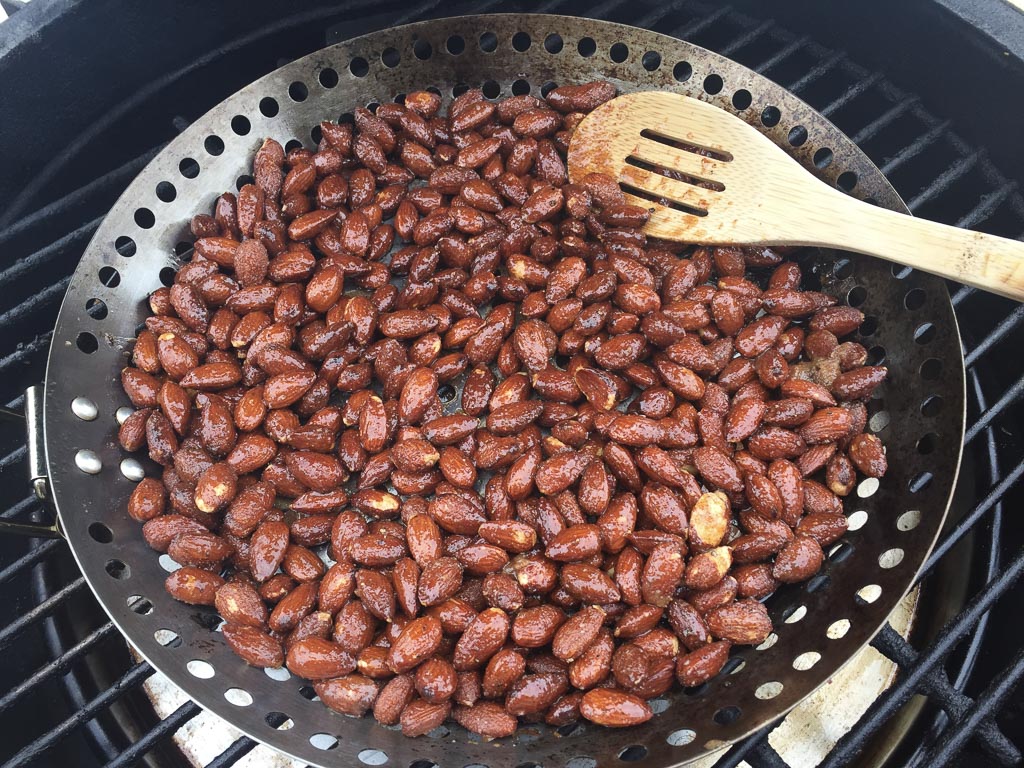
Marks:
<point>705,175</point>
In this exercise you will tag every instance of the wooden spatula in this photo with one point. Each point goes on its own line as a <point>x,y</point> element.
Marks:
<point>710,178</point>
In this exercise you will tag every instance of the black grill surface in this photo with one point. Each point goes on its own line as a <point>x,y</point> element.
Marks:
<point>69,691</point>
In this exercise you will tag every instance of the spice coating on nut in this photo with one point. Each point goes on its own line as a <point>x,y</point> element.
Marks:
<point>650,438</point>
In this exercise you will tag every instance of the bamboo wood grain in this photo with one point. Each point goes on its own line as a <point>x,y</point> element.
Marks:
<point>756,194</point>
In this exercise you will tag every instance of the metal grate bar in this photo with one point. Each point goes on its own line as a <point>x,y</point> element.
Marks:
<point>851,93</point>
<point>994,529</point>
<point>26,350</point>
<point>93,189</point>
<point>988,205</point>
<point>816,72</point>
<point>421,10</point>
<point>1009,397</point>
<point>1007,324</point>
<point>883,121</point>
<point>970,519</point>
<point>43,256</point>
<point>29,559</point>
<point>741,750</point>
<point>651,18</point>
<point>13,457</point>
<point>945,180</point>
<point>601,10</point>
<point>937,686</point>
<point>779,56</point>
<point>963,292</point>
<point>49,294</point>
<point>26,503</point>
<point>991,699</point>
<point>548,7</point>
<point>125,683</point>
<point>916,147</point>
<point>44,609</point>
<point>56,667</point>
<point>233,754</point>
<point>694,27</point>
<point>746,38</point>
<point>884,707</point>
<point>164,728</point>
<point>765,756</point>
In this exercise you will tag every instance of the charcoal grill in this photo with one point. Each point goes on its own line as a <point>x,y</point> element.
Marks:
<point>819,627</point>
<point>137,674</point>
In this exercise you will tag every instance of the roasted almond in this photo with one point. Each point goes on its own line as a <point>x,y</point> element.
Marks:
<point>614,708</point>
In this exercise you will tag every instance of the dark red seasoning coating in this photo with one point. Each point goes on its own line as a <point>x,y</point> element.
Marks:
<point>662,442</point>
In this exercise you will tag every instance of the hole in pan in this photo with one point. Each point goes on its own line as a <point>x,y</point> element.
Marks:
<point>651,60</point>
<point>587,47</point>
<point>488,42</point>
<point>422,49</point>
<point>328,77</point>
<point>553,43</point>
<point>619,53</point>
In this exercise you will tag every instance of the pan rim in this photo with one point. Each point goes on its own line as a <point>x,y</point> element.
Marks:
<point>70,314</point>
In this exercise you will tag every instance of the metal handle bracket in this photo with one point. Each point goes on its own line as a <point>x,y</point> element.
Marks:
<point>33,421</point>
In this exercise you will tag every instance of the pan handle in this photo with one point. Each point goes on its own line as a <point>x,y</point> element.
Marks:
<point>32,418</point>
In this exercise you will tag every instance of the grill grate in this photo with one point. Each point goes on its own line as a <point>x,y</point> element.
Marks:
<point>939,175</point>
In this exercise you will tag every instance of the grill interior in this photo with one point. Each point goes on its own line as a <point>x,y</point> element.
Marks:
<point>69,682</point>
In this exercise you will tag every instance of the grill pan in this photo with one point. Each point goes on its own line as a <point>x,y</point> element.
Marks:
<point>918,412</point>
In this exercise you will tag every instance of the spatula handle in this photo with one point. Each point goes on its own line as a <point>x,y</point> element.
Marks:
<point>994,264</point>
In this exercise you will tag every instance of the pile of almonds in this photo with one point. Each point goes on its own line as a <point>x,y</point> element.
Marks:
<point>660,436</point>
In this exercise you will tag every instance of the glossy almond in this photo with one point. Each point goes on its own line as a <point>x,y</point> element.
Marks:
<point>503,669</point>
<point>589,583</point>
<point>418,641</point>
<point>533,693</point>
<point>147,501</point>
<point>798,560</point>
<point>420,717</point>
<point>577,633</point>
<point>193,585</point>
<point>439,580</point>
<point>482,638</point>
<point>239,603</point>
<point>701,664</point>
<point>487,719</point>
<point>267,549</point>
<point>255,647</point>
<point>559,472</point>
<point>744,622</point>
<point>317,659</point>
<point>614,709</point>
<point>578,542</point>
<point>662,573</point>
<point>868,454</point>
<point>351,695</point>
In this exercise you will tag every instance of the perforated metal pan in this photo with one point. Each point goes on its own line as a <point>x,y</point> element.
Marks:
<point>910,325</point>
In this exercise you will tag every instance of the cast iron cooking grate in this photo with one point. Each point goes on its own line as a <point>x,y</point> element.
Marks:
<point>938,175</point>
